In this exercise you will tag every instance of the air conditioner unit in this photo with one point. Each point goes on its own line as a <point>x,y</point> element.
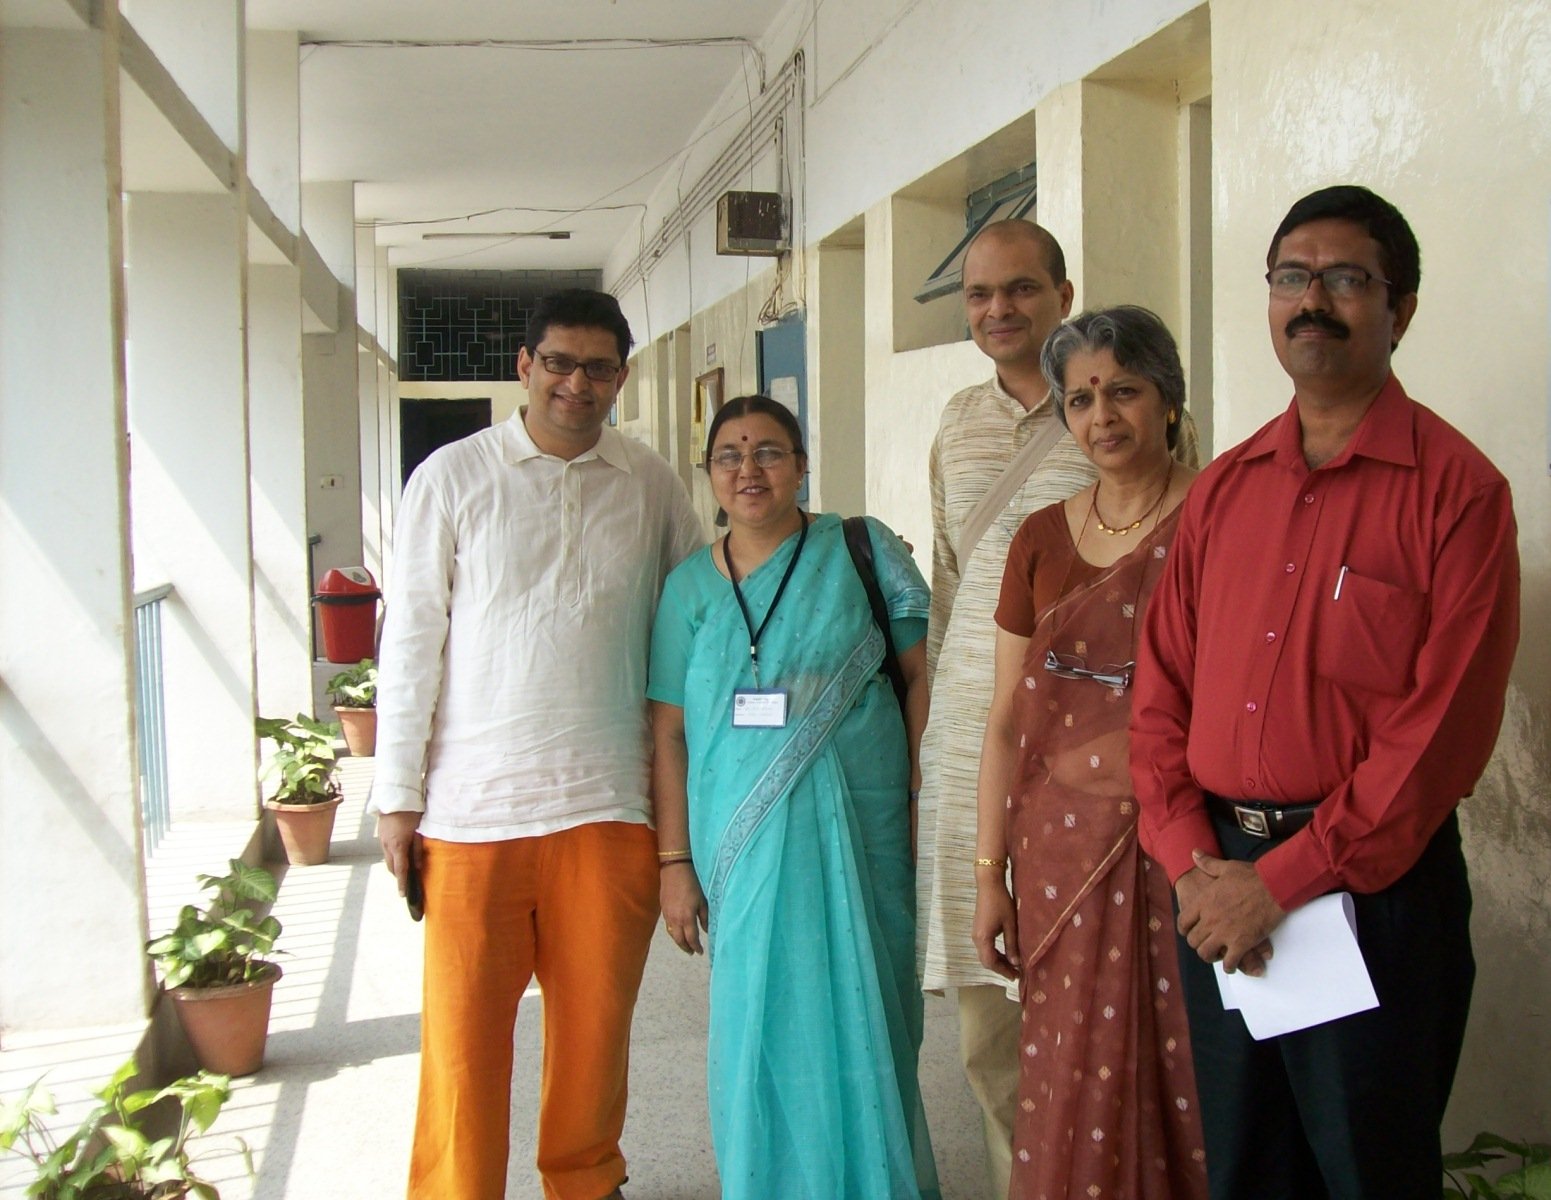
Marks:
<point>751,223</point>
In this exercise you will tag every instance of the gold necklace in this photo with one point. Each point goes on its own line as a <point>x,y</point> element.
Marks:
<point>1125,531</point>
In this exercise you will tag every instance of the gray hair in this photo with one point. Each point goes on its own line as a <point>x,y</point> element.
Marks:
<point>1140,342</point>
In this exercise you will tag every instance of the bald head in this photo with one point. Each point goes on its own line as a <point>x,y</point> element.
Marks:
<point>1015,293</point>
<point>1016,231</point>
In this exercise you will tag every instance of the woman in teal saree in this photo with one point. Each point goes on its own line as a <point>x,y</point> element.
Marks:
<point>782,779</point>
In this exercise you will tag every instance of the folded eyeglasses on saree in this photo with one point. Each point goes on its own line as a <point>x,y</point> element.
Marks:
<point>1072,666</point>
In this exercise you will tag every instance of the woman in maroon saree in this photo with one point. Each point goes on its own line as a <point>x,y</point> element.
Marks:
<point>1107,1101</point>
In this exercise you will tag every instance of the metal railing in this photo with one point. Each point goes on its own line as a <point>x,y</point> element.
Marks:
<point>151,719</point>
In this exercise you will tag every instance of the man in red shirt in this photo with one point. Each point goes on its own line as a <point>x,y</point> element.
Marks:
<point>1320,681</point>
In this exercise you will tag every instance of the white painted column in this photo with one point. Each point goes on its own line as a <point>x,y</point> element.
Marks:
<point>201,45</point>
<point>282,617</point>
<point>837,342</point>
<point>369,414</point>
<point>281,592</point>
<point>369,312</point>
<point>329,370</point>
<point>389,451</point>
<point>71,876</point>
<point>188,407</point>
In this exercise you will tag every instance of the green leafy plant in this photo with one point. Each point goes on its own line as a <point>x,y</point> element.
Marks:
<point>111,1155</point>
<point>226,942</point>
<point>304,758</point>
<point>354,687</point>
<point>1468,1171</point>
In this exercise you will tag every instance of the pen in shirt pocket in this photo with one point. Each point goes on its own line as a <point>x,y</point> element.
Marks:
<point>1340,579</point>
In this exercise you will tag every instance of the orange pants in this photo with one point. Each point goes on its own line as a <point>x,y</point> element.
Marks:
<point>576,909</point>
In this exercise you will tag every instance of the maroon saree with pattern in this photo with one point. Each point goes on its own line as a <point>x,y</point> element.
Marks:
<point>1107,1100</point>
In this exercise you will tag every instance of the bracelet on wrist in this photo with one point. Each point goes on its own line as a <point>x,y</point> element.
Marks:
<point>667,854</point>
<point>991,862</point>
<point>664,863</point>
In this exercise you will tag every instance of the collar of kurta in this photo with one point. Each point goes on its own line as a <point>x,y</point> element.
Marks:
<point>1387,433</point>
<point>518,445</point>
<point>1012,404</point>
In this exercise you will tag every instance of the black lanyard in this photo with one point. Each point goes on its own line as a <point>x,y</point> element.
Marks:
<point>732,573</point>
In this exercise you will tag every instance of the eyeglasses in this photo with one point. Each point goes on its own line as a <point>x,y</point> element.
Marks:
<point>563,364</point>
<point>1071,666</point>
<point>1342,282</point>
<point>765,457</point>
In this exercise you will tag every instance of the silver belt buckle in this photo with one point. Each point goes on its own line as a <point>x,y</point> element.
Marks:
<point>1252,821</point>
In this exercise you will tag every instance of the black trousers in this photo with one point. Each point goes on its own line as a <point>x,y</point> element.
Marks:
<point>1348,1110</point>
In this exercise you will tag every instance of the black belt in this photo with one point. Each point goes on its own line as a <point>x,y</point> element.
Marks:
<point>1268,821</point>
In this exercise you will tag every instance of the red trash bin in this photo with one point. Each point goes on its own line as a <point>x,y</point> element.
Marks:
<point>347,609</point>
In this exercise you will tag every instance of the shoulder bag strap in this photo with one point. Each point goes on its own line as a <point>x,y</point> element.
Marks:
<point>859,543</point>
<point>1005,488</point>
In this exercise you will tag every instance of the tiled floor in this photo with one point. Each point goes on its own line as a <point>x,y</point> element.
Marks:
<point>329,1116</point>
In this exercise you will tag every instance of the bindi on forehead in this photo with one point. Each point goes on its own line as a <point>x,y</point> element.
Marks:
<point>1093,381</point>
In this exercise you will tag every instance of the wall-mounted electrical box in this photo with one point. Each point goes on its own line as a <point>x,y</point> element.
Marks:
<point>751,223</point>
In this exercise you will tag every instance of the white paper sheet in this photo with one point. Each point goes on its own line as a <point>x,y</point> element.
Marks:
<point>1317,973</point>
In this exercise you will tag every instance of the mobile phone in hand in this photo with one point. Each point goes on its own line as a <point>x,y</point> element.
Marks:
<point>414,892</point>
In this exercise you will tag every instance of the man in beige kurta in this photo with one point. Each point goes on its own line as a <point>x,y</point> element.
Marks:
<point>1015,293</point>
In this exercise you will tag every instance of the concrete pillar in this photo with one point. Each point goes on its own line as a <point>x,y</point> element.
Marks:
<point>274,123</point>
<point>389,451</point>
<point>188,405</point>
<point>281,591</point>
<point>371,312</point>
<point>837,342</point>
<point>282,620</point>
<point>329,371</point>
<point>1131,250</point>
<point>71,876</point>
<point>201,45</point>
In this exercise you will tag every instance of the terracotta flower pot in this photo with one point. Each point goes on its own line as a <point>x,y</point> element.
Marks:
<point>228,1025</point>
<point>305,830</point>
<point>360,726</point>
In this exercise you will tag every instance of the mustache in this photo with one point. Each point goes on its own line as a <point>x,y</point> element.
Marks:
<point>1320,321</point>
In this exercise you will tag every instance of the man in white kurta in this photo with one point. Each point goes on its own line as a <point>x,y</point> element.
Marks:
<point>513,758</point>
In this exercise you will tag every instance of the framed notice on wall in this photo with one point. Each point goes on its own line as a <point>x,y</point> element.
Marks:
<point>708,398</point>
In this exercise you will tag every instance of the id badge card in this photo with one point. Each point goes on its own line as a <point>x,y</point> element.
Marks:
<point>759,708</point>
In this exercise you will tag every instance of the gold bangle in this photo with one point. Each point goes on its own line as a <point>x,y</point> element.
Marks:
<point>991,862</point>
<point>684,853</point>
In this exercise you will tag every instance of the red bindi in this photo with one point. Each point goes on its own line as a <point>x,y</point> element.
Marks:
<point>1093,380</point>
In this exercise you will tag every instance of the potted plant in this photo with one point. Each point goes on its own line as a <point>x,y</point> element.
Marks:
<point>1470,1172</point>
<point>110,1155</point>
<point>353,693</point>
<point>307,795</point>
<point>215,967</point>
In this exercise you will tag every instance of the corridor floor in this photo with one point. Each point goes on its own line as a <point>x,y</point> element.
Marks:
<point>329,1115</point>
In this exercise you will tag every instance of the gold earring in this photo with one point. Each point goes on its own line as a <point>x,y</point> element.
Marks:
<point>1173,415</point>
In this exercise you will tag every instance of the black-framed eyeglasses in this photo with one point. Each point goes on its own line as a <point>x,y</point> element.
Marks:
<point>1072,666</point>
<point>765,458</point>
<point>1343,282</point>
<point>597,369</point>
